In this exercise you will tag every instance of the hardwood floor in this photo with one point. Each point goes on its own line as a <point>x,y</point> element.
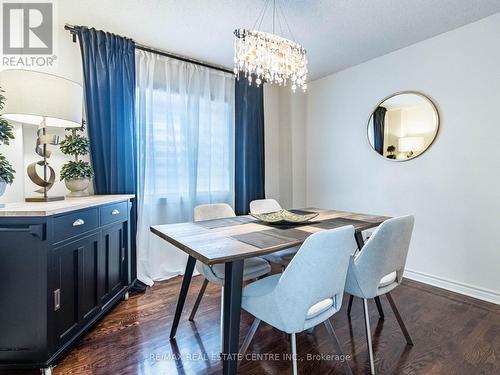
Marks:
<point>453,334</point>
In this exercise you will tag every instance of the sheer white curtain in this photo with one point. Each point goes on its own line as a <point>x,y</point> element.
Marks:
<point>185,129</point>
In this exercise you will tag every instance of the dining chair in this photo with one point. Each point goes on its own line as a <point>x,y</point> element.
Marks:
<point>281,257</point>
<point>378,269</point>
<point>307,293</point>
<point>253,267</point>
<point>365,235</point>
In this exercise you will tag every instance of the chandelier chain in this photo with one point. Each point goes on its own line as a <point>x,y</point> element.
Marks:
<point>280,25</point>
<point>259,15</point>
<point>274,15</point>
<point>263,14</point>
<point>286,21</point>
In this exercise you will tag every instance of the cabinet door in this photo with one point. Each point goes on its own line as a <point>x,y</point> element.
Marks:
<point>75,280</point>
<point>112,262</point>
<point>23,289</point>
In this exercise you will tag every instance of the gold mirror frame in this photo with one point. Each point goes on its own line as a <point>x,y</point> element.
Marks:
<point>429,100</point>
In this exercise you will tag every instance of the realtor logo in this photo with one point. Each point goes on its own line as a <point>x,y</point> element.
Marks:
<point>27,28</point>
<point>28,34</point>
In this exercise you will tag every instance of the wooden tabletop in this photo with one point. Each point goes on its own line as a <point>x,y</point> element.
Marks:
<point>223,240</point>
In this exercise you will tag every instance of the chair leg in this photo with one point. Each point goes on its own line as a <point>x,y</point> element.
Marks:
<point>198,300</point>
<point>379,308</point>
<point>329,328</point>
<point>249,336</point>
<point>399,319</point>
<point>349,306</point>
<point>294,354</point>
<point>368,336</point>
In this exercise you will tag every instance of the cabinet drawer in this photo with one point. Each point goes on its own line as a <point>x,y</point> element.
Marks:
<point>70,225</point>
<point>113,213</point>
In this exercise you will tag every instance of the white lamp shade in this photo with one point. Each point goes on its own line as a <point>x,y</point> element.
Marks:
<point>32,96</point>
<point>407,144</point>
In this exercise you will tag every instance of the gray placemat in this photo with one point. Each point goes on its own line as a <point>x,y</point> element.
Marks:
<point>226,222</point>
<point>289,233</point>
<point>340,222</point>
<point>272,237</point>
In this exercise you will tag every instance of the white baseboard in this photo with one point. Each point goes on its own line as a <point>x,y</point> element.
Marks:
<point>454,286</point>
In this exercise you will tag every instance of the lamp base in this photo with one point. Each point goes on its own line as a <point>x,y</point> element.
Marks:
<point>43,199</point>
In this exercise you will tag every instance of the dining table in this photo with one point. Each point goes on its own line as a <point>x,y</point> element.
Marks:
<point>232,240</point>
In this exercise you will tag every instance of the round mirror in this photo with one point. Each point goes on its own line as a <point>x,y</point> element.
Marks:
<point>403,126</point>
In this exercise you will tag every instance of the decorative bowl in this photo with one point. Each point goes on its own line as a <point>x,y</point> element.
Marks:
<point>285,217</point>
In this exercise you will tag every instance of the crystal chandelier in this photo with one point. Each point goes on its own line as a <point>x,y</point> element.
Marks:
<point>266,57</point>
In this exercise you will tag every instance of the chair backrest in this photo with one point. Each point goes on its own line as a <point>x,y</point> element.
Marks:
<point>263,206</point>
<point>383,253</point>
<point>317,272</point>
<point>213,211</point>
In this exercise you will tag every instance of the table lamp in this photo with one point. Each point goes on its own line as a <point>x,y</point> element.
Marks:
<point>45,100</point>
<point>410,145</point>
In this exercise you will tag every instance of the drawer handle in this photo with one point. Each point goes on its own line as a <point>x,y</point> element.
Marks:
<point>57,299</point>
<point>78,222</point>
<point>115,212</point>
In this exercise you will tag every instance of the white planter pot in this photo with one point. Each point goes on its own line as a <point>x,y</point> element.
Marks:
<point>78,188</point>
<point>3,186</point>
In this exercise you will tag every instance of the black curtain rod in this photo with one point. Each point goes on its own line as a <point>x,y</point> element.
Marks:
<point>73,30</point>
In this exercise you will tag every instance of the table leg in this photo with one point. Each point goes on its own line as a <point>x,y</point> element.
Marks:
<point>232,308</point>
<point>361,242</point>
<point>349,305</point>
<point>183,294</point>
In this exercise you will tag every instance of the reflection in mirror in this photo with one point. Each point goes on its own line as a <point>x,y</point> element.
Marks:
<point>403,126</point>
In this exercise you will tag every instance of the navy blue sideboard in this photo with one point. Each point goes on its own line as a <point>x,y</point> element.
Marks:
<point>63,265</point>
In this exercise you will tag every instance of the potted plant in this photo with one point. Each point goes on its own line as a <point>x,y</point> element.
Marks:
<point>391,152</point>
<point>77,173</point>
<point>6,134</point>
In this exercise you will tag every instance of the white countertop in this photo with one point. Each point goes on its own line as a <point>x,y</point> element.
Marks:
<point>19,209</point>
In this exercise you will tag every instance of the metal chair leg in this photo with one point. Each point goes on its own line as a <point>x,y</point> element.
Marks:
<point>368,336</point>
<point>249,336</point>
<point>198,300</point>
<point>399,319</point>
<point>379,308</point>
<point>377,302</point>
<point>329,328</point>
<point>294,354</point>
<point>349,306</point>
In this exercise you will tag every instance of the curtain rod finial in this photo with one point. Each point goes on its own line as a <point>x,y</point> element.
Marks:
<point>72,30</point>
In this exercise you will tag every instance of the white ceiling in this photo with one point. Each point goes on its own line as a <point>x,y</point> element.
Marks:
<point>336,33</point>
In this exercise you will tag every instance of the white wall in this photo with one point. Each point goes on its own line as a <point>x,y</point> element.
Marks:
<point>21,151</point>
<point>284,114</point>
<point>454,188</point>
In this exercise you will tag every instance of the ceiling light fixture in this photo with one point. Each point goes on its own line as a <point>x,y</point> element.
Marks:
<point>265,57</point>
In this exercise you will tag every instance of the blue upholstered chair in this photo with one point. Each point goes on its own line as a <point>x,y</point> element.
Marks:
<point>378,269</point>
<point>253,267</point>
<point>282,257</point>
<point>307,293</point>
